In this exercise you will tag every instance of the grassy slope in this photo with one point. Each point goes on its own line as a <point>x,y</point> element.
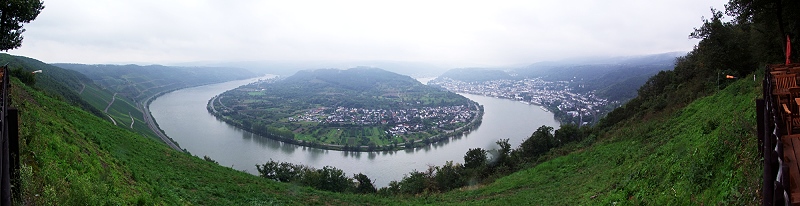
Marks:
<point>705,153</point>
<point>68,84</point>
<point>71,157</point>
<point>122,110</point>
<point>134,84</point>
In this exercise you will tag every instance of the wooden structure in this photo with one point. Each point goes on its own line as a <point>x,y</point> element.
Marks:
<point>779,134</point>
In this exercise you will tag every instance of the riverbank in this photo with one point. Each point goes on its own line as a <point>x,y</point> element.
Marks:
<point>144,106</point>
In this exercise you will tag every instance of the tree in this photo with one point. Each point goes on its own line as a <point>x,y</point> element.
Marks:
<point>503,154</point>
<point>724,46</point>
<point>13,14</point>
<point>24,76</point>
<point>281,171</point>
<point>769,21</point>
<point>415,182</point>
<point>328,178</point>
<point>475,158</point>
<point>365,185</point>
<point>540,142</point>
<point>208,159</point>
<point>449,176</point>
<point>568,133</point>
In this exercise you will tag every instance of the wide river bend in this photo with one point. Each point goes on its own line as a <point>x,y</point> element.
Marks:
<point>183,117</point>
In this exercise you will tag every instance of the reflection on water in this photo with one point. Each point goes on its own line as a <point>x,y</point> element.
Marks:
<point>182,115</point>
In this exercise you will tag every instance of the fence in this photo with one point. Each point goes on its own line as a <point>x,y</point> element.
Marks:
<point>775,188</point>
<point>9,150</point>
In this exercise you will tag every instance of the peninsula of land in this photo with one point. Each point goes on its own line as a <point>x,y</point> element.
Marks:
<point>359,109</point>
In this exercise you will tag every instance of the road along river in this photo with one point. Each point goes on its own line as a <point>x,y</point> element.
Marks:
<point>183,116</point>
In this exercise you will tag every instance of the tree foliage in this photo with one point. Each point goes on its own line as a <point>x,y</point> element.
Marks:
<point>475,158</point>
<point>449,176</point>
<point>328,178</point>
<point>365,185</point>
<point>24,76</point>
<point>13,14</point>
<point>538,143</point>
<point>768,22</point>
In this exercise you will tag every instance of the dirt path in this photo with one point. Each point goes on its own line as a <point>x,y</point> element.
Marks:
<point>112,119</point>
<point>111,102</point>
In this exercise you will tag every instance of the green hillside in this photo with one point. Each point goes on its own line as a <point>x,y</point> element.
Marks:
<point>142,82</point>
<point>80,90</point>
<point>53,80</point>
<point>131,87</point>
<point>71,157</point>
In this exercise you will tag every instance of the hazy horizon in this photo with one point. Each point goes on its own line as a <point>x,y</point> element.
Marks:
<point>446,34</point>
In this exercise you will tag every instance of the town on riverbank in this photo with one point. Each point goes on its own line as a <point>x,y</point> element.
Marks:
<point>568,106</point>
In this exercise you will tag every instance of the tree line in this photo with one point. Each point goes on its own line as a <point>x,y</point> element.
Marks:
<point>480,166</point>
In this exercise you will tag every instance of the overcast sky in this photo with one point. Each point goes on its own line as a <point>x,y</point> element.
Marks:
<point>455,33</point>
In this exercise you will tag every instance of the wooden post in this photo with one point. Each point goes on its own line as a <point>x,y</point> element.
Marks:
<point>760,127</point>
<point>5,170</point>
<point>767,189</point>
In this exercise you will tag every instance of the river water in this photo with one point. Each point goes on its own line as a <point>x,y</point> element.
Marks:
<point>183,117</point>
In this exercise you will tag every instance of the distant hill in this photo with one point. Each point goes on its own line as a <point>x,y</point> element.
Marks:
<point>54,80</point>
<point>598,68</point>
<point>615,79</point>
<point>361,79</point>
<point>140,82</point>
<point>475,75</point>
<point>357,87</point>
<point>286,68</point>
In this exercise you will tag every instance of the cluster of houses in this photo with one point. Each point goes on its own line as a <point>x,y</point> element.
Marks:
<point>531,91</point>
<point>404,120</point>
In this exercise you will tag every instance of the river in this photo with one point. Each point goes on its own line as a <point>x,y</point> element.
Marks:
<point>183,117</point>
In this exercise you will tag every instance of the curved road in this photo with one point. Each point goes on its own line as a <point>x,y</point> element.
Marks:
<point>110,103</point>
<point>148,119</point>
